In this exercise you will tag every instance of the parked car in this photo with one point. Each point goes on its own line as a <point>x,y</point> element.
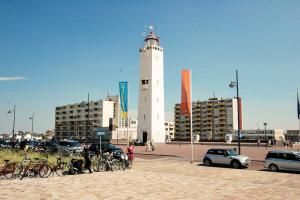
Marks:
<point>4,144</point>
<point>69,147</point>
<point>282,160</point>
<point>30,143</point>
<point>225,157</point>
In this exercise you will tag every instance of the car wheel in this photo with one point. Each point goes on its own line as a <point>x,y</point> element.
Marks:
<point>273,168</point>
<point>207,162</point>
<point>236,164</point>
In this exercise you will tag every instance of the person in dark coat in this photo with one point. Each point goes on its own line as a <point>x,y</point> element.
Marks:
<point>87,159</point>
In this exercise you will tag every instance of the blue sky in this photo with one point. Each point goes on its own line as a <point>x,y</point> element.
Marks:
<point>68,48</point>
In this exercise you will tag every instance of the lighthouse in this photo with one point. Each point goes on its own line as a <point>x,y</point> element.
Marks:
<point>151,111</point>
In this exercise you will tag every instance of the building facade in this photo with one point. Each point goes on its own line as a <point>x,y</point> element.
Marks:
<point>293,135</point>
<point>262,135</point>
<point>212,119</point>
<point>170,130</point>
<point>79,120</point>
<point>151,114</point>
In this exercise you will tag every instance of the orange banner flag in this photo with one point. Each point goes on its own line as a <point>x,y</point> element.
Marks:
<point>185,107</point>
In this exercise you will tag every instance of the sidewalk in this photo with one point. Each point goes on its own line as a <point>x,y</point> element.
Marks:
<point>184,150</point>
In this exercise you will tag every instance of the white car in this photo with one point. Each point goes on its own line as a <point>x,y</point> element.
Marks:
<point>225,157</point>
<point>68,147</point>
<point>283,160</point>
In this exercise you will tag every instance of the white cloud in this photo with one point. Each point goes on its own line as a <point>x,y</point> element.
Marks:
<point>12,78</point>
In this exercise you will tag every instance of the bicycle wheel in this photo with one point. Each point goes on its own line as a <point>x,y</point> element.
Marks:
<point>124,165</point>
<point>8,170</point>
<point>61,169</point>
<point>101,166</point>
<point>129,164</point>
<point>18,171</point>
<point>115,165</point>
<point>94,166</point>
<point>44,171</point>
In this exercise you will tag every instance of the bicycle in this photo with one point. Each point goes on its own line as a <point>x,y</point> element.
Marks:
<point>32,168</point>
<point>60,168</point>
<point>8,170</point>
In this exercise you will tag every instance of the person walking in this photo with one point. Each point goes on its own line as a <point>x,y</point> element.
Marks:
<point>130,150</point>
<point>258,142</point>
<point>87,159</point>
<point>152,145</point>
<point>148,146</point>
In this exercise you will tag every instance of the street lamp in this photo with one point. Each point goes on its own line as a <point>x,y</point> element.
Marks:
<point>87,120</point>
<point>265,124</point>
<point>13,131</point>
<point>236,85</point>
<point>31,118</point>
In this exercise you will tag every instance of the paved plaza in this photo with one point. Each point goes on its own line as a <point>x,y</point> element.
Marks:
<point>159,178</point>
<point>165,173</point>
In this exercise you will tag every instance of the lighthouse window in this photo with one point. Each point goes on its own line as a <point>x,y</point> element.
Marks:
<point>145,81</point>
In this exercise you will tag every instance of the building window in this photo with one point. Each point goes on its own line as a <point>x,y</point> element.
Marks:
<point>145,81</point>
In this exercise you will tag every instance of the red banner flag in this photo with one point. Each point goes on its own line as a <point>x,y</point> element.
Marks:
<point>185,107</point>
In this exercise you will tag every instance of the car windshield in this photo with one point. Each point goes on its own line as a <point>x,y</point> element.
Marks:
<point>110,146</point>
<point>231,152</point>
<point>74,144</point>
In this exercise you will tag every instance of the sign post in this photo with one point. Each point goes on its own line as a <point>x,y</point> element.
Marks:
<point>100,134</point>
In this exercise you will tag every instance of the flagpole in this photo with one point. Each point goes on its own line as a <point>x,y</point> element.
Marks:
<point>127,111</point>
<point>192,149</point>
<point>298,112</point>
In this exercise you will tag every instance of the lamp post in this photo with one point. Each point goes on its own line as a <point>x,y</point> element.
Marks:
<point>31,118</point>
<point>265,124</point>
<point>87,119</point>
<point>13,131</point>
<point>236,85</point>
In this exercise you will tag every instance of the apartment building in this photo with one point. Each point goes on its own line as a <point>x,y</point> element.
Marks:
<point>212,119</point>
<point>79,120</point>
<point>169,131</point>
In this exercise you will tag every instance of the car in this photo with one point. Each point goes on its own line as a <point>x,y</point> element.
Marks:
<point>111,148</point>
<point>282,160</point>
<point>30,143</point>
<point>4,144</point>
<point>225,157</point>
<point>69,147</point>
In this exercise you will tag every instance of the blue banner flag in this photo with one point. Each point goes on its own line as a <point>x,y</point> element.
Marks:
<point>298,106</point>
<point>123,89</point>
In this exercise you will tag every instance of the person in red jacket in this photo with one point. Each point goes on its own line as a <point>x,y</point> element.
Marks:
<point>130,151</point>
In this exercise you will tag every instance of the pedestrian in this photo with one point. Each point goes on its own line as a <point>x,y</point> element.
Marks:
<point>130,150</point>
<point>152,145</point>
<point>235,149</point>
<point>258,142</point>
<point>148,145</point>
<point>87,159</point>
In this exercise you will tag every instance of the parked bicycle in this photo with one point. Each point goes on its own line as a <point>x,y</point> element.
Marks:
<point>60,168</point>
<point>8,169</point>
<point>32,168</point>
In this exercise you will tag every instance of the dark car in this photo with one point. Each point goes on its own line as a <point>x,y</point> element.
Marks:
<point>107,147</point>
<point>4,144</point>
<point>31,143</point>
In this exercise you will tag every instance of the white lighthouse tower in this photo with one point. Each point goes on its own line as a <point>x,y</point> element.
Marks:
<point>151,113</point>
